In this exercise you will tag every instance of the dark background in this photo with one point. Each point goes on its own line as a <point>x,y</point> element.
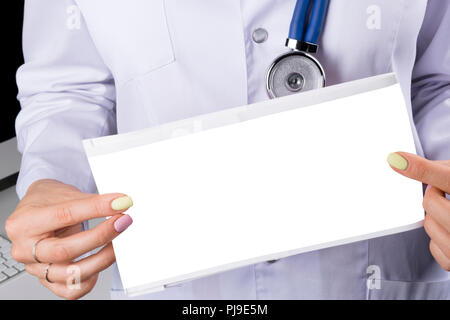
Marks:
<point>12,58</point>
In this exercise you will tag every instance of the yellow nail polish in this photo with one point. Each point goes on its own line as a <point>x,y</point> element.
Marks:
<point>122,203</point>
<point>397,161</point>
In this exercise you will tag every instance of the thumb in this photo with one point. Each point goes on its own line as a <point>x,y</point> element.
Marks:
<point>435,173</point>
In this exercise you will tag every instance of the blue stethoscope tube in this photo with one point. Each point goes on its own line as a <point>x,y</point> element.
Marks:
<point>299,31</point>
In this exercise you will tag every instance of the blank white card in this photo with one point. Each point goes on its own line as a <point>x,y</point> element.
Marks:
<point>259,182</point>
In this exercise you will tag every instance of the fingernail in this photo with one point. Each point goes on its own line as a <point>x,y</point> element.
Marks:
<point>122,203</point>
<point>123,223</point>
<point>397,161</point>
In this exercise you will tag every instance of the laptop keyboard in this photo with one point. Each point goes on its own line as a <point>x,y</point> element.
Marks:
<point>9,268</point>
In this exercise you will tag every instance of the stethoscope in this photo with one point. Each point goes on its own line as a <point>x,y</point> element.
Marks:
<point>297,70</point>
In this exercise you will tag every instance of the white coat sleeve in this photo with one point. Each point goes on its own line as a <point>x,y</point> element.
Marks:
<point>431,82</point>
<point>66,92</point>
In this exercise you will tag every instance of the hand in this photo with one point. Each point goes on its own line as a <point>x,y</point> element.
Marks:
<point>52,212</point>
<point>436,174</point>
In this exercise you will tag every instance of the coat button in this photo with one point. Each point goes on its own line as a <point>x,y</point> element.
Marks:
<point>260,35</point>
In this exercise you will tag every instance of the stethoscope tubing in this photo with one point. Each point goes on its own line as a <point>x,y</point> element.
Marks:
<point>317,21</point>
<point>311,33</point>
<point>298,25</point>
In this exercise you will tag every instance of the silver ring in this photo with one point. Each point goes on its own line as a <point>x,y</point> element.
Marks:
<point>34,251</point>
<point>46,273</point>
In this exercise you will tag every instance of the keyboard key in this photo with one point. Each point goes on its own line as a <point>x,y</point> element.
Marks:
<point>19,266</point>
<point>7,256</point>
<point>10,272</point>
<point>9,263</point>
<point>8,266</point>
<point>5,250</point>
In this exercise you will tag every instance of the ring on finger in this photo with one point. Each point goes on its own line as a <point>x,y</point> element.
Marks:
<point>34,250</point>
<point>46,273</point>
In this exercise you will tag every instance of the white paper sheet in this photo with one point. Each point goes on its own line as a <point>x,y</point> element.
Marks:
<point>259,182</point>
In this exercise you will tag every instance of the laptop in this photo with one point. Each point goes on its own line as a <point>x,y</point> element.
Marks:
<point>9,168</point>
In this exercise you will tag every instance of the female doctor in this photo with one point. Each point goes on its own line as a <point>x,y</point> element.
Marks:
<point>98,67</point>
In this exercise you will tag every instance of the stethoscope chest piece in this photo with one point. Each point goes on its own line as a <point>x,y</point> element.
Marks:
<point>292,73</point>
<point>298,71</point>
